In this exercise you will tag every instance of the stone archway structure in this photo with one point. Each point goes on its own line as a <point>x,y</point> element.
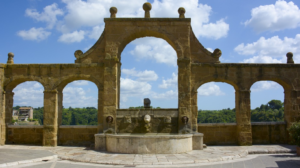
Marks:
<point>101,65</point>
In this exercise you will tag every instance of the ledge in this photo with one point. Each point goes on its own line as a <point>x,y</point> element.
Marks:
<point>216,124</point>
<point>268,123</point>
<point>149,19</point>
<point>283,65</point>
<point>25,126</point>
<point>78,126</point>
<point>59,65</point>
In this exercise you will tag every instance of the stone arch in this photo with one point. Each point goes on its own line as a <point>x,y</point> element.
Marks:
<point>66,80</point>
<point>281,81</point>
<point>127,38</point>
<point>207,80</point>
<point>10,85</point>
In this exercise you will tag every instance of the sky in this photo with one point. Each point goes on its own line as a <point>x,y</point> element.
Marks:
<point>257,31</point>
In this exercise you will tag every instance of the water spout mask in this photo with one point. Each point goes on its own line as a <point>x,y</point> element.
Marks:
<point>147,118</point>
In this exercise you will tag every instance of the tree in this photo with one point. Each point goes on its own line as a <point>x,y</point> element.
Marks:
<point>275,104</point>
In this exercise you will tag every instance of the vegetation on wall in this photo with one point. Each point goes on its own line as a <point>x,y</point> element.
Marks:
<point>272,111</point>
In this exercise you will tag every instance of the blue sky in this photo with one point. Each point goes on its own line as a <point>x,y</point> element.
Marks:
<point>258,31</point>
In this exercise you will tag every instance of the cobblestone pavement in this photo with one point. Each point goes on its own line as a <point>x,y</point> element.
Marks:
<point>210,155</point>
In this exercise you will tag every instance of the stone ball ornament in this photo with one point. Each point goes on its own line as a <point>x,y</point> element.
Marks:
<point>181,12</point>
<point>113,11</point>
<point>78,53</point>
<point>109,119</point>
<point>217,53</point>
<point>147,6</point>
<point>10,59</point>
<point>290,59</point>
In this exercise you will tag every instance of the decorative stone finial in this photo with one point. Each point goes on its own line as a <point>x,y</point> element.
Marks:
<point>217,53</point>
<point>113,10</point>
<point>78,53</point>
<point>147,103</point>
<point>290,59</point>
<point>147,7</point>
<point>10,59</point>
<point>181,12</point>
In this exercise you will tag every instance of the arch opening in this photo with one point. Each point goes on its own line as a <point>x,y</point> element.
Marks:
<point>149,70</point>
<point>216,103</point>
<point>79,103</point>
<point>28,102</point>
<point>267,102</point>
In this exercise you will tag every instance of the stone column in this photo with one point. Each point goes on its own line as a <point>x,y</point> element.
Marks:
<point>291,106</point>
<point>2,119</point>
<point>194,109</point>
<point>100,111</point>
<point>110,93</point>
<point>9,100</point>
<point>184,92</point>
<point>60,106</point>
<point>50,118</point>
<point>243,117</point>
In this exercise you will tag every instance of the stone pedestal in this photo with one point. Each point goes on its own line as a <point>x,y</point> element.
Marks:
<point>150,143</point>
<point>100,142</point>
<point>197,141</point>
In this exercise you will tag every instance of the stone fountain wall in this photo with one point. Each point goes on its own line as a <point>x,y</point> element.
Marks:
<point>132,120</point>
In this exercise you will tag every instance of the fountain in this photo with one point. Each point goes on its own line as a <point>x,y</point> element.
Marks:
<point>148,131</point>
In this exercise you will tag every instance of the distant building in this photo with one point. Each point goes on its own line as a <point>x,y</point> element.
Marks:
<point>15,114</point>
<point>25,113</point>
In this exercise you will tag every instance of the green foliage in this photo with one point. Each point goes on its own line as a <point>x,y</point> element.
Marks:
<point>294,132</point>
<point>272,111</point>
<point>79,116</point>
<point>38,114</point>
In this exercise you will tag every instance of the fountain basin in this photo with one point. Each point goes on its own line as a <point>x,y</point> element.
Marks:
<point>149,143</point>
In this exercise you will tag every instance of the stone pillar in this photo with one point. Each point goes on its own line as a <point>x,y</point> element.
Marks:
<point>291,106</point>
<point>60,106</point>
<point>184,93</point>
<point>100,116</point>
<point>110,93</point>
<point>243,117</point>
<point>9,100</point>
<point>194,110</point>
<point>2,119</point>
<point>50,118</point>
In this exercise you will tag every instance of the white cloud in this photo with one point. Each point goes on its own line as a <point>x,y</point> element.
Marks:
<point>75,36</point>
<point>171,82</point>
<point>29,94</point>
<point>154,49</point>
<point>49,15</point>
<point>132,88</point>
<point>141,75</point>
<point>214,30</point>
<point>35,34</point>
<point>211,50</point>
<point>210,89</point>
<point>171,94</point>
<point>96,32</point>
<point>198,12</point>
<point>264,85</point>
<point>82,14</point>
<point>78,97</point>
<point>276,17</point>
<point>271,50</point>
<point>80,83</point>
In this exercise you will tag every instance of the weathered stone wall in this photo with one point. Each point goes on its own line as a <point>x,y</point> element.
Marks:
<point>219,133</point>
<point>77,135</point>
<point>262,133</point>
<point>137,123</point>
<point>269,133</point>
<point>32,135</point>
